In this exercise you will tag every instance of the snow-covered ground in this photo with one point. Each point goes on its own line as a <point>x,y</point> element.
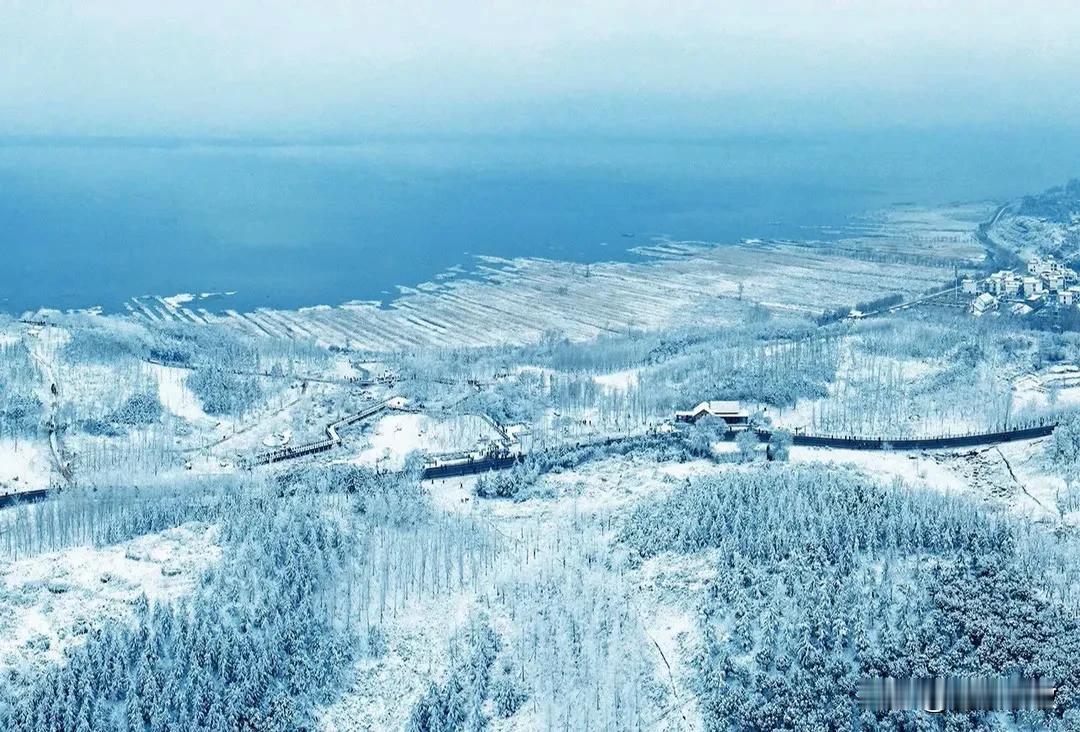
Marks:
<point>619,380</point>
<point>51,601</point>
<point>915,467</point>
<point>24,465</point>
<point>342,368</point>
<point>982,472</point>
<point>390,439</point>
<point>669,590</point>
<point>174,394</point>
<point>383,690</point>
<point>1057,387</point>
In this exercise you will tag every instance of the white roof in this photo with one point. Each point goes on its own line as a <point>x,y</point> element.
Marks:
<point>717,408</point>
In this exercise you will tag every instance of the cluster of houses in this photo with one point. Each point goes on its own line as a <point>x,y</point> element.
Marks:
<point>1047,282</point>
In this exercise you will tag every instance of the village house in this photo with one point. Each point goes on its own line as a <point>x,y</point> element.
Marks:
<point>1004,283</point>
<point>1046,267</point>
<point>1069,296</point>
<point>982,304</point>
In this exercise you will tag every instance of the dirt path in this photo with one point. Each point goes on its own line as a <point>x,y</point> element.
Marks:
<point>1017,480</point>
<point>55,444</point>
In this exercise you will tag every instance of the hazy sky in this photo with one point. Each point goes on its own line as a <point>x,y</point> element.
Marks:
<point>323,67</point>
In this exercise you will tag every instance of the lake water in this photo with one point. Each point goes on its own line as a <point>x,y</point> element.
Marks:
<point>91,224</point>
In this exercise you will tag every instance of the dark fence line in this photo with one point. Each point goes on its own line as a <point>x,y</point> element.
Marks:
<point>14,499</point>
<point>921,443</point>
<point>504,462</point>
<point>470,467</point>
<point>473,467</point>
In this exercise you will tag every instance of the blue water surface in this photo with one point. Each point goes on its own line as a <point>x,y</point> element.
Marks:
<point>92,223</point>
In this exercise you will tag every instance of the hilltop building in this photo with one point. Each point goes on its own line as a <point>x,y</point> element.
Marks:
<point>731,412</point>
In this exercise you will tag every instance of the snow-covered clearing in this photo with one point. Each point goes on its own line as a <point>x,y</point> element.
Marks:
<point>51,601</point>
<point>669,590</point>
<point>601,488</point>
<point>982,472</point>
<point>619,380</point>
<point>394,436</point>
<point>914,467</point>
<point>24,465</point>
<point>342,368</point>
<point>174,394</point>
<point>1055,387</point>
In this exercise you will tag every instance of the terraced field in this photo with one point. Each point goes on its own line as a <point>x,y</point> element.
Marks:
<point>515,301</point>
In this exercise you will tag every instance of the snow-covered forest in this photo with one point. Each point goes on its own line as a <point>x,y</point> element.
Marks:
<point>621,570</point>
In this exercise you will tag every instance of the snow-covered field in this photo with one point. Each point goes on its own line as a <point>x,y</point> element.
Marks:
<point>1056,387</point>
<point>618,380</point>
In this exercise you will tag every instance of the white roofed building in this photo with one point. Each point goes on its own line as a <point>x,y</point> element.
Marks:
<point>983,303</point>
<point>729,411</point>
